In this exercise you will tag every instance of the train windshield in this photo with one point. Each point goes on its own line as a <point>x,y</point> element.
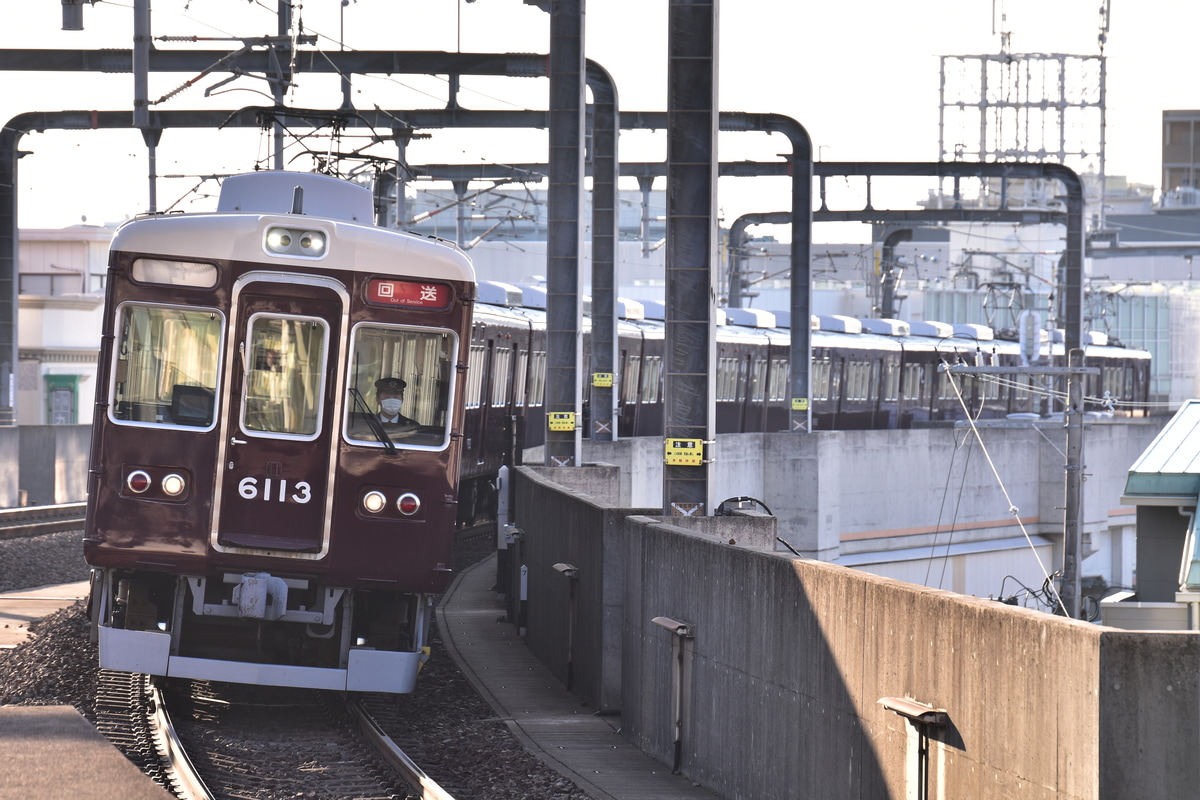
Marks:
<point>400,385</point>
<point>285,371</point>
<point>167,364</point>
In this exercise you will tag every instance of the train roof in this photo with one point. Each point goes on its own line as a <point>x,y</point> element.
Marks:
<point>749,317</point>
<point>278,192</point>
<point>887,327</point>
<point>263,200</point>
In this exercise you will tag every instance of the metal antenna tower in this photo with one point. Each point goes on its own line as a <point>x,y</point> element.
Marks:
<point>1031,107</point>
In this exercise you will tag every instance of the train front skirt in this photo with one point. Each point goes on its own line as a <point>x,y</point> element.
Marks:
<point>259,601</point>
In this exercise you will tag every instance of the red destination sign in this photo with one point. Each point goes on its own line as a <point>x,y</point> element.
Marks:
<point>412,294</point>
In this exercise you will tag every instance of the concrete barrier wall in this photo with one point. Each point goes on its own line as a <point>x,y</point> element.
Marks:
<point>789,658</point>
<point>573,624</point>
<point>43,464</point>
<point>10,467</point>
<point>53,462</point>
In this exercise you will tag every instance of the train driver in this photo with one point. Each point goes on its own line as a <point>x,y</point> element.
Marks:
<point>389,393</point>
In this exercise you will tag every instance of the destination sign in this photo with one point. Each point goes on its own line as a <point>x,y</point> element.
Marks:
<point>412,294</point>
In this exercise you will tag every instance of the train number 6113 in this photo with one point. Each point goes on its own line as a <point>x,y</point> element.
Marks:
<point>249,489</point>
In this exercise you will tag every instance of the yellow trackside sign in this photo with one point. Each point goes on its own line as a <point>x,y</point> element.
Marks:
<point>688,452</point>
<point>561,420</point>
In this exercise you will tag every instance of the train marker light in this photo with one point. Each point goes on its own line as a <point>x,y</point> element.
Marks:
<point>138,481</point>
<point>408,504</point>
<point>374,502</point>
<point>173,485</point>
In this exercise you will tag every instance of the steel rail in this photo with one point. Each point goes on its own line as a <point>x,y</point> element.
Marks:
<point>425,788</point>
<point>188,785</point>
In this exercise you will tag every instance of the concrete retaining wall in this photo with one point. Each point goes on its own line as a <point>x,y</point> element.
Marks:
<point>851,494</point>
<point>788,659</point>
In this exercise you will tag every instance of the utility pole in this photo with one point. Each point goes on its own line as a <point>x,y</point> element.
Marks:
<point>1073,494</point>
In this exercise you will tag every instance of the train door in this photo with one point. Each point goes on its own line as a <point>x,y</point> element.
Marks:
<point>277,448</point>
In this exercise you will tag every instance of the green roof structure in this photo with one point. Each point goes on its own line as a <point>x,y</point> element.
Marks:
<point>1168,472</point>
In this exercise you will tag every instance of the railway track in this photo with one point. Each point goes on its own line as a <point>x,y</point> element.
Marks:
<point>16,523</point>
<point>224,740</point>
<point>130,712</point>
<point>205,741</point>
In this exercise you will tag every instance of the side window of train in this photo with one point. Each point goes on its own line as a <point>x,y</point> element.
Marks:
<point>420,365</point>
<point>475,364</point>
<point>652,381</point>
<point>519,378</point>
<point>779,379</point>
<point>630,376</point>
<point>891,382</point>
<point>914,381</point>
<point>727,375</point>
<point>857,373</point>
<point>166,366</point>
<point>759,380</point>
<point>285,375</point>
<point>537,378</point>
<point>820,378</point>
<point>501,372</point>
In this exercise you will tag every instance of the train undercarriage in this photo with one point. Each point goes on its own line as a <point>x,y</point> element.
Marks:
<point>259,628</point>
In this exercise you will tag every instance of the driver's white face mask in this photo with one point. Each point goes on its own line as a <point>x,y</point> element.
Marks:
<point>391,406</point>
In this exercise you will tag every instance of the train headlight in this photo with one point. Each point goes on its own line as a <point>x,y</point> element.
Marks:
<point>138,481</point>
<point>279,240</point>
<point>408,504</point>
<point>312,243</point>
<point>173,485</point>
<point>296,242</point>
<point>373,502</point>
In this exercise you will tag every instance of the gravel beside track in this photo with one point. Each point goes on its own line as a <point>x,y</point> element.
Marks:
<point>465,746</point>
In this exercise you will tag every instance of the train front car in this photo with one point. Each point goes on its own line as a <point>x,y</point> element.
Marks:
<point>259,510</point>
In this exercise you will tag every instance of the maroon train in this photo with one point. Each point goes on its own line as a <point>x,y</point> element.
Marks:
<point>253,516</point>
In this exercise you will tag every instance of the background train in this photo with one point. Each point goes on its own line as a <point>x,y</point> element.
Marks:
<point>250,517</point>
<point>866,374</point>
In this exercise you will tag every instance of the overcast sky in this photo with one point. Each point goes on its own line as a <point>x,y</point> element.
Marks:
<point>862,76</point>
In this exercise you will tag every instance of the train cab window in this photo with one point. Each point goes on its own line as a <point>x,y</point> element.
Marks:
<point>285,375</point>
<point>414,365</point>
<point>166,366</point>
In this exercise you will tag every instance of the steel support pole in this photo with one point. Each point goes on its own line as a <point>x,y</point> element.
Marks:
<point>564,344</point>
<point>692,120</point>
